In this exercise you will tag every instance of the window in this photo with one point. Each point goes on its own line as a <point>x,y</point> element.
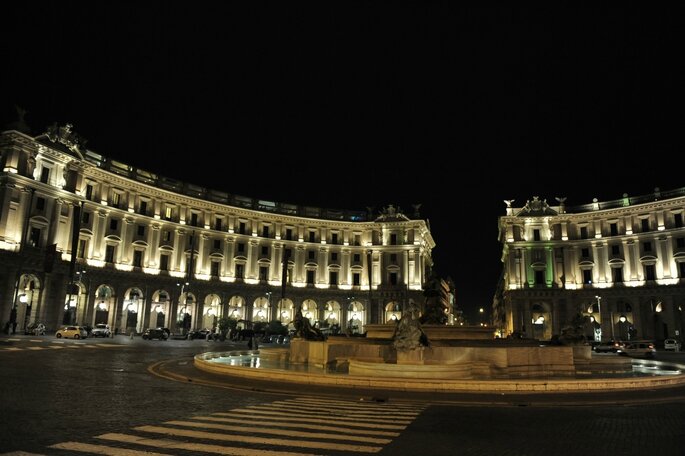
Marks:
<point>40,204</point>
<point>650,272</point>
<point>193,218</point>
<point>615,250</point>
<point>333,277</point>
<point>587,276</point>
<point>241,228</point>
<point>217,244</point>
<point>678,220</point>
<point>288,253</point>
<point>166,236</point>
<point>137,258</point>
<point>357,258</point>
<point>312,236</point>
<point>583,232</point>
<point>310,277</point>
<point>81,251</point>
<point>89,192</point>
<point>613,227</point>
<point>217,224</point>
<point>539,277</point>
<point>45,175</point>
<point>109,254</point>
<point>647,246</point>
<point>393,239</point>
<point>168,212</point>
<point>356,278</point>
<point>34,237</point>
<point>289,234</point>
<point>393,278</point>
<point>334,257</point>
<point>265,251</point>
<point>536,235</point>
<point>239,271</point>
<point>189,269</point>
<point>85,218</point>
<point>143,207</point>
<point>265,231</point>
<point>618,275</point>
<point>645,225</point>
<point>241,247</point>
<point>681,268</point>
<point>263,273</point>
<point>164,262</point>
<point>116,199</point>
<point>393,258</point>
<point>141,230</point>
<point>334,238</point>
<point>311,255</point>
<point>357,239</point>
<point>585,253</point>
<point>215,268</point>
<point>680,242</point>
<point>113,224</point>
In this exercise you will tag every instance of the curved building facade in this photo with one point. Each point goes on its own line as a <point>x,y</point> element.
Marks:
<point>621,263</point>
<point>85,239</point>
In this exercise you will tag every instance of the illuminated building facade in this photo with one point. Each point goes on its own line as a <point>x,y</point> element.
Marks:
<point>621,263</point>
<point>152,251</point>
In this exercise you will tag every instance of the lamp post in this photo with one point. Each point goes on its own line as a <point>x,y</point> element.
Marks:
<point>268,300</point>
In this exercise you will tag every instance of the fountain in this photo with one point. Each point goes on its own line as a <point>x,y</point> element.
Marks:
<point>438,358</point>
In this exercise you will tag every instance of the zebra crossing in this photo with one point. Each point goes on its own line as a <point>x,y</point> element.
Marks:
<point>54,345</point>
<point>303,426</point>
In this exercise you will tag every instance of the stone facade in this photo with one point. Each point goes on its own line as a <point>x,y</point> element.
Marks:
<point>621,263</point>
<point>153,251</point>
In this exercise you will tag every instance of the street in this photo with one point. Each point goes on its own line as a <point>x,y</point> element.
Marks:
<point>97,396</point>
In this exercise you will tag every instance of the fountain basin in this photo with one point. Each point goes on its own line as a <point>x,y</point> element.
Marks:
<point>466,375</point>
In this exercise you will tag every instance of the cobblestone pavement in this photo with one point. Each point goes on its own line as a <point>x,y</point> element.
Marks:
<point>99,397</point>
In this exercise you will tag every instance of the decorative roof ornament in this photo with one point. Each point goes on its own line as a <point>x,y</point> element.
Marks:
<point>562,203</point>
<point>64,135</point>
<point>510,211</point>
<point>391,214</point>
<point>536,207</point>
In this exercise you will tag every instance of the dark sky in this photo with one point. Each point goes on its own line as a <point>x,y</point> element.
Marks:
<point>348,105</point>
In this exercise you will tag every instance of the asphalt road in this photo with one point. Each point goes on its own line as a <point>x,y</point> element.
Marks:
<point>100,396</point>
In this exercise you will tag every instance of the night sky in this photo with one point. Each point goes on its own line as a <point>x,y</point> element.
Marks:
<point>348,105</point>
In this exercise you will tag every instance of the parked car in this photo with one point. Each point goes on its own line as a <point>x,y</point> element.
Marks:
<point>639,349</point>
<point>155,333</point>
<point>671,344</point>
<point>608,346</point>
<point>35,329</point>
<point>199,334</point>
<point>75,332</point>
<point>101,330</point>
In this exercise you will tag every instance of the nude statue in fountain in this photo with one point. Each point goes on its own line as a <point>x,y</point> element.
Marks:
<point>408,333</point>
